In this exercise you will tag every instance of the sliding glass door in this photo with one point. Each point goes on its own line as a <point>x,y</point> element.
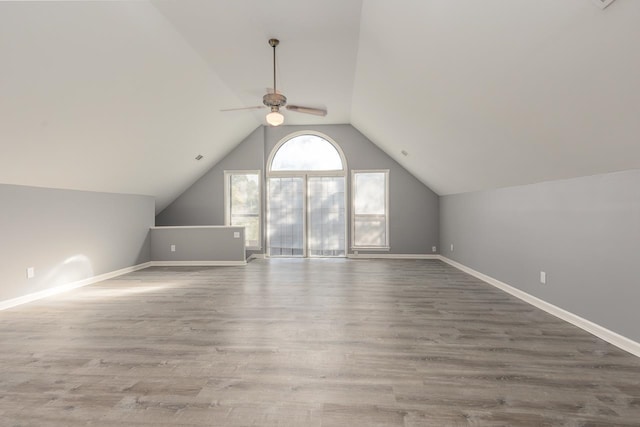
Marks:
<point>306,197</point>
<point>306,216</point>
<point>286,217</point>
<point>326,234</point>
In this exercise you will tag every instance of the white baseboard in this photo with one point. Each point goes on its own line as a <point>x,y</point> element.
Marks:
<point>196,263</point>
<point>611,337</point>
<point>69,286</point>
<point>393,256</point>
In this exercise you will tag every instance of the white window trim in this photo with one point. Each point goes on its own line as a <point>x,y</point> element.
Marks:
<point>305,174</point>
<point>386,247</point>
<point>274,151</point>
<point>227,200</point>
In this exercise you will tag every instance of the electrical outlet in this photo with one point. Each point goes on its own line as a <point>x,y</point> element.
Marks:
<point>543,277</point>
<point>236,234</point>
<point>173,248</point>
<point>31,273</point>
<point>452,247</point>
<point>433,248</point>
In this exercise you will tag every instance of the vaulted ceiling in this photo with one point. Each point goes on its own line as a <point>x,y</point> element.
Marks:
<point>122,96</point>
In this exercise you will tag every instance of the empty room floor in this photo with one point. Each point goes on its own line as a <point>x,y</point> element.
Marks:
<point>299,342</point>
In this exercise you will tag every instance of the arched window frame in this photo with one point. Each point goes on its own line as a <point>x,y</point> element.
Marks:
<point>343,159</point>
<point>305,174</point>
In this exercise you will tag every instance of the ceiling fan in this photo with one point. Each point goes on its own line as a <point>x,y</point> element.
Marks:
<point>274,100</point>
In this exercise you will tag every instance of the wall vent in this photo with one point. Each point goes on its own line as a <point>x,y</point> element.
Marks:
<point>603,3</point>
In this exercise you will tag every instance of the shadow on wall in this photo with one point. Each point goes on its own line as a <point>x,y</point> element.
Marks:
<point>144,253</point>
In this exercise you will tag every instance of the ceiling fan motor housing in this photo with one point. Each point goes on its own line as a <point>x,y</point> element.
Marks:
<point>274,100</point>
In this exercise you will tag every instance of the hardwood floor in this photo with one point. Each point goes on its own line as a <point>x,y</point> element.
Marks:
<point>323,342</point>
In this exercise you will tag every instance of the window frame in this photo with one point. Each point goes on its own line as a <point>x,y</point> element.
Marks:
<point>227,203</point>
<point>289,137</point>
<point>305,174</point>
<point>354,215</point>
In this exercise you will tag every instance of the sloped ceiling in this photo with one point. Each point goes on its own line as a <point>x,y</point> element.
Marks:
<point>316,58</point>
<point>107,96</point>
<point>494,93</point>
<point>121,96</point>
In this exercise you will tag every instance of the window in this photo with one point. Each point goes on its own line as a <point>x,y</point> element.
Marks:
<point>326,216</point>
<point>306,197</point>
<point>285,221</point>
<point>306,152</point>
<point>242,204</point>
<point>370,221</point>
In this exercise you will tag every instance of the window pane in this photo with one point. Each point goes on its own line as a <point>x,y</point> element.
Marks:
<point>370,193</point>
<point>370,209</point>
<point>370,230</point>
<point>326,216</point>
<point>244,205</point>
<point>286,203</point>
<point>245,194</point>
<point>307,152</point>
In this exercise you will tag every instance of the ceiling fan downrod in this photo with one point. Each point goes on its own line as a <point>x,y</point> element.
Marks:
<point>273,43</point>
<point>274,100</point>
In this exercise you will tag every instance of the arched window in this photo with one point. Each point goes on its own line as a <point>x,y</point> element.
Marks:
<point>306,197</point>
<point>306,152</point>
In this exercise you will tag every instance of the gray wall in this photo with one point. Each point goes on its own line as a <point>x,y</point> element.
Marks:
<point>413,227</point>
<point>68,236</point>
<point>413,207</point>
<point>584,233</point>
<point>203,202</point>
<point>197,244</point>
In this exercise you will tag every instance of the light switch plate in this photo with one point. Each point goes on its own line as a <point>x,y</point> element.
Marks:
<point>236,234</point>
<point>31,273</point>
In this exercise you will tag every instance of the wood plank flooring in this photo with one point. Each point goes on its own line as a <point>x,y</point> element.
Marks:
<point>323,342</point>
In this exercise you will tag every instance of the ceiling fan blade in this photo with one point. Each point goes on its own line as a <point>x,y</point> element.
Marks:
<point>256,107</point>
<point>308,110</point>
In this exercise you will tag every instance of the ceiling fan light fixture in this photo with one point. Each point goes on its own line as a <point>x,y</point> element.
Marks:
<point>276,100</point>
<point>275,118</point>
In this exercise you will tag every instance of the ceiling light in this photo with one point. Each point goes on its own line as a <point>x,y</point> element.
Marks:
<point>274,118</point>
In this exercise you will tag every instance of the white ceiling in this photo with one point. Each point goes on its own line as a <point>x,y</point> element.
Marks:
<point>121,96</point>
<point>495,93</point>
<point>316,58</point>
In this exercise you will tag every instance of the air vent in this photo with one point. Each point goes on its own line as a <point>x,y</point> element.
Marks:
<point>603,3</point>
